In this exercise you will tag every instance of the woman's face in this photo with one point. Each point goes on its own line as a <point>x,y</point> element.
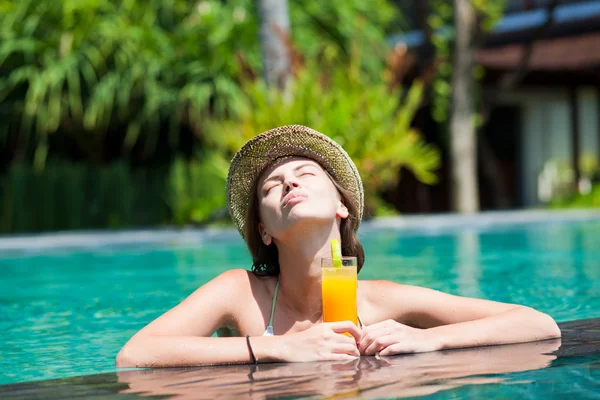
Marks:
<point>295,191</point>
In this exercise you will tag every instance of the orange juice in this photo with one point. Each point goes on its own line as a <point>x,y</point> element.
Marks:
<point>339,294</point>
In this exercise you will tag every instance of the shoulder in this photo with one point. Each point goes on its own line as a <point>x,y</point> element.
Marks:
<point>214,304</point>
<point>238,283</point>
<point>234,283</point>
<point>244,299</point>
<point>232,293</point>
<point>234,277</point>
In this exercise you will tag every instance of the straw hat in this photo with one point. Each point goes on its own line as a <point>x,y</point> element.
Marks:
<point>283,142</point>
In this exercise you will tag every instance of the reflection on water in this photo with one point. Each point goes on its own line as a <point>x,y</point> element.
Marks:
<point>367,377</point>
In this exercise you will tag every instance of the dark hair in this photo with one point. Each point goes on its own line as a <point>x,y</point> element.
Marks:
<point>265,259</point>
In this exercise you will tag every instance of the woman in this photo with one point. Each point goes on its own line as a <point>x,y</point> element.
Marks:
<point>290,191</point>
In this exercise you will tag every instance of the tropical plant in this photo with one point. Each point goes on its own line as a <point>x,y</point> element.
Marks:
<point>197,188</point>
<point>93,76</point>
<point>68,195</point>
<point>368,118</point>
<point>577,200</point>
<point>441,24</point>
<point>589,165</point>
<point>139,70</point>
<point>138,67</point>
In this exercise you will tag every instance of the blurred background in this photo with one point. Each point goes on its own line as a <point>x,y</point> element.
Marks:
<point>126,113</point>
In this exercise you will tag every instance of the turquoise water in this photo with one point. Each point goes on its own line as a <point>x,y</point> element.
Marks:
<point>66,312</point>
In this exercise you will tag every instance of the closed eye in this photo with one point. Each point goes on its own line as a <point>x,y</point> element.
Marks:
<point>306,170</point>
<point>268,188</point>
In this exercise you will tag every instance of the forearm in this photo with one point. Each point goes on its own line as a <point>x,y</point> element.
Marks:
<point>521,324</point>
<point>178,351</point>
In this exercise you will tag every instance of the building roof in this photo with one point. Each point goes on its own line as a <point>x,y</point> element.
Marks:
<point>570,17</point>
<point>565,13</point>
<point>559,54</point>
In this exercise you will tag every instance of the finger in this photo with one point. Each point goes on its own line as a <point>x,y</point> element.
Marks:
<point>396,348</point>
<point>386,325</point>
<point>373,335</point>
<point>379,344</point>
<point>376,325</point>
<point>365,342</point>
<point>344,338</point>
<point>345,348</point>
<point>347,327</point>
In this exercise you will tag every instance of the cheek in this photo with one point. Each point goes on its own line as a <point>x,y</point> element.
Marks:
<point>329,194</point>
<point>325,203</point>
<point>267,213</point>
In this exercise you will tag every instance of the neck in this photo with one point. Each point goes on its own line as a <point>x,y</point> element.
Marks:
<point>300,256</point>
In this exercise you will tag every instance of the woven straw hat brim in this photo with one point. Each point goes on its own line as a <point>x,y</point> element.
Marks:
<point>263,150</point>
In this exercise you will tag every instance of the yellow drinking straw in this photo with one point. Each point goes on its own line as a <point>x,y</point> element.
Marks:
<point>336,253</point>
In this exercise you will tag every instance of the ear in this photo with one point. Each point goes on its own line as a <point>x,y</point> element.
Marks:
<point>266,238</point>
<point>342,210</point>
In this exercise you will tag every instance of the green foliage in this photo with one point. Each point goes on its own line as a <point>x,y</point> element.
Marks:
<point>441,22</point>
<point>590,200</point>
<point>197,188</point>
<point>589,165</point>
<point>490,12</point>
<point>330,29</point>
<point>370,120</point>
<point>74,196</point>
<point>101,63</point>
<point>147,68</point>
<point>557,181</point>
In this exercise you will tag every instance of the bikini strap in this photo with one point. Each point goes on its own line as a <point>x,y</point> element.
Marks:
<point>273,305</point>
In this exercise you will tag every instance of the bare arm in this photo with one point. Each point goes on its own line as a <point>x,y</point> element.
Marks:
<point>433,320</point>
<point>176,351</point>
<point>516,325</point>
<point>181,336</point>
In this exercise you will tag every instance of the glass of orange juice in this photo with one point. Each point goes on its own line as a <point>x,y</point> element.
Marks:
<point>338,288</point>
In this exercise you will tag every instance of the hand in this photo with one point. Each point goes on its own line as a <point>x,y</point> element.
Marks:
<point>390,337</point>
<point>322,342</point>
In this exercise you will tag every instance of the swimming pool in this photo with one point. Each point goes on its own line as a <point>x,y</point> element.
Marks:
<point>68,305</point>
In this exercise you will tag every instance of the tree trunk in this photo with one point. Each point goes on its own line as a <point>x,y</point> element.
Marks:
<point>274,34</point>
<point>465,192</point>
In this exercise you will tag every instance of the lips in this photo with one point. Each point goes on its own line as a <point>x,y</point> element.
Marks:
<point>293,198</point>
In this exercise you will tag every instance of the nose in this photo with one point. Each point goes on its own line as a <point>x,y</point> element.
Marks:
<point>291,184</point>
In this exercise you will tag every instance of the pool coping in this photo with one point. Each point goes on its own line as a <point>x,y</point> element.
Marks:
<point>414,223</point>
<point>580,345</point>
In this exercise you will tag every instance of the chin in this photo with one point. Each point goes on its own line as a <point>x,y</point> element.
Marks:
<point>310,219</point>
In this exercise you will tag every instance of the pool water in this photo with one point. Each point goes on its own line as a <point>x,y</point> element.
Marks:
<point>66,311</point>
